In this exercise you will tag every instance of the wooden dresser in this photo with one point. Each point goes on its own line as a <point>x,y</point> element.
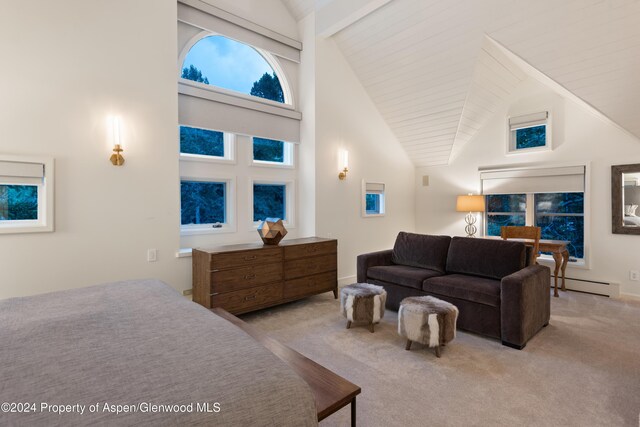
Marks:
<point>242,278</point>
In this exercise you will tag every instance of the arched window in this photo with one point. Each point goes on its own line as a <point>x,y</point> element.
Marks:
<point>222,62</point>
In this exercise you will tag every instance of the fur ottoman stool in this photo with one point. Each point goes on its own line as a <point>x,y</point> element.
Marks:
<point>363,302</point>
<point>427,320</point>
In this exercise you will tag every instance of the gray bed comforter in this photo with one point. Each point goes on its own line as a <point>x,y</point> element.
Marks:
<point>138,353</point>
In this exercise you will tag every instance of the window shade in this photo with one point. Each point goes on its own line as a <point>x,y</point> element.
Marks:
<point>529,120</point>
<point>373,187</point>
<point>207,114</point>
<point>21,173</point>
<point>542,180</point>
<point>204,16</point>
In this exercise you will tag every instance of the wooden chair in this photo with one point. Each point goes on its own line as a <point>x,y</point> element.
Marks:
<point>522,232</point>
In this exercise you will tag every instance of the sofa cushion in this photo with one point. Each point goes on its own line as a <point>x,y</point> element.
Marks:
<point>403,275</point>
<point>421,250</point>
<point>494,259</point>
<point>469,288</point>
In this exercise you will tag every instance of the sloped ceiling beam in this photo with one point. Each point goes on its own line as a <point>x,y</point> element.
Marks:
<point>337,15</point>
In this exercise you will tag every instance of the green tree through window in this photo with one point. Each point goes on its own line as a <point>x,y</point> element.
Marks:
<point>268,87</point>
<point>192,73</point>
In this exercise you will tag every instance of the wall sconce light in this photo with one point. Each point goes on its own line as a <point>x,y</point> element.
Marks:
<point>344,165</point>
<point>116,158</point>
<point>470,204</point>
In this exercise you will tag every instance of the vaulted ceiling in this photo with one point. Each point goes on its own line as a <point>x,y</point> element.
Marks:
<point>435,74</point>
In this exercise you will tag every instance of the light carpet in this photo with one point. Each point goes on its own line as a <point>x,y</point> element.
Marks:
<point>581,370</point>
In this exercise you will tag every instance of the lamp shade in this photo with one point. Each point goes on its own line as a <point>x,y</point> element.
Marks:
<point>470,203</point>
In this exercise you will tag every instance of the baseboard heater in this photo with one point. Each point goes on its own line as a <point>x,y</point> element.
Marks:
<point>607,289</point>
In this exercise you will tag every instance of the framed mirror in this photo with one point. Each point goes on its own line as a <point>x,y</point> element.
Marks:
<point>625,199</point>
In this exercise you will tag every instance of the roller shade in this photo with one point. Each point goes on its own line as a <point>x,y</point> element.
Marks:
<point>21,173</point>
<point>206,17</point>
<point>227,117</point>
<point>529,120</point>
<point>373,187</point>
<point>542,180</point>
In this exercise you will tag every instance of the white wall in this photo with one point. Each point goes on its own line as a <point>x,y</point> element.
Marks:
<point>579,137</point>
<point>347,118</point>
<point>67,66</point>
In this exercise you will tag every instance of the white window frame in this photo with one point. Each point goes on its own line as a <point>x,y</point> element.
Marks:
<point>229,141</point>
<point>45,221</point>
<point>290,200</point>
<point>230,207</point>
<point>288,161</point>
<point>383,199</point>
<point>535,122</point>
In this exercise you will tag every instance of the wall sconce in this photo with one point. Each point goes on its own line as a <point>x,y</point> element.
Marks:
<point>344,165</point>
<point>470,204</point>
<point>116,158</point>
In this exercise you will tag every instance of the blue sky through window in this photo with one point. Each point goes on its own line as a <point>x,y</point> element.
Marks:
<point>227,63</point>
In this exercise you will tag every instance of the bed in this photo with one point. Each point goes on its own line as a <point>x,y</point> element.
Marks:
<point>631,221</point>
<point>138,353</point>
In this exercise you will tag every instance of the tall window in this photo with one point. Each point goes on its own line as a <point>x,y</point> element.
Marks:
<point>238,125</point>
<point>222,62</point>
<point>559,215</point>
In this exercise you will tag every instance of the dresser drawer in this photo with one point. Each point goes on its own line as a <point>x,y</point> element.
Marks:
<point>310,249</point>
<point>311,285</point>
<point>246,299</point>
<point>245,277</point>
<point>223,261</point>
<point>308,266</point>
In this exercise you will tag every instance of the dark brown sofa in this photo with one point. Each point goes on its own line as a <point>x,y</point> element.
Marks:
<point>497,294</point>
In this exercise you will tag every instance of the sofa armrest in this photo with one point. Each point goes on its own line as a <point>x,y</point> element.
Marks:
<point>525,304</point>
<point>372,259</point>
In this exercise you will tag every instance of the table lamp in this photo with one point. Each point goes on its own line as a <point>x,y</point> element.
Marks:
<point>471,204</point>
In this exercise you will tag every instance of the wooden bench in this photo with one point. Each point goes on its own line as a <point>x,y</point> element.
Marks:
<point>331,391</point>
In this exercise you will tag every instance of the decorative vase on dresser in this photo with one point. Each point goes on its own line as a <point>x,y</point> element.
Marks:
<point>248,277</point>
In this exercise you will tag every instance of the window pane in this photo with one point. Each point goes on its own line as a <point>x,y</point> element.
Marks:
<point>202,202</point>
<point>560,203</point>
<point>226,63</point>
<point>268,150</point>
<point>531,137</point>
<point>494,222</point>
<point>564,228</point>
<point>201,141</point>
<point>18,202</point>
<point>372,203</point>
<point>269,201</point>
<point>506,203</point>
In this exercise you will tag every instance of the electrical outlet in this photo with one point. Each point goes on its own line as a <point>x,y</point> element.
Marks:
<point>187,292</point>
<point>634,275</point>
<point>152,255</point>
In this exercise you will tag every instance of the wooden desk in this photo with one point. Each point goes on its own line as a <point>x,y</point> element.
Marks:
<point>558,249</point>
<point>331,391</point>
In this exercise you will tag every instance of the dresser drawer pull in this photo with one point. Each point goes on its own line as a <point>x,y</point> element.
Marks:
<point>250,297</point>
<point>250,276</point>
<point>250,258</point>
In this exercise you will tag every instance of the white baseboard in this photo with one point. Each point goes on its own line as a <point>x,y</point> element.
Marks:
<point>611,290</point>
<point>631,297</point>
